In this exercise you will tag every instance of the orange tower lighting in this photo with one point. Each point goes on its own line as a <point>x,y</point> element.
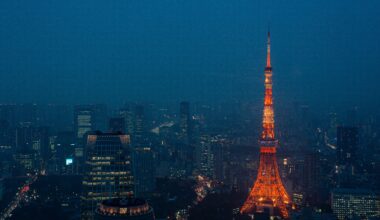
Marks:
<point>268,189</point>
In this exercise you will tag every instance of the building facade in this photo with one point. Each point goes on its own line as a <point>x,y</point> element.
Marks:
<point>350,203</point>
<point>108,171</point>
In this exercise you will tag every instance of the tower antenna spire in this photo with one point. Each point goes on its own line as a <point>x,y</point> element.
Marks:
<point>268,190</point>
<point>268,50</point>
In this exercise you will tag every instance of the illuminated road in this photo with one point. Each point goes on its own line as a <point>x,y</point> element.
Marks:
<point>19,197</point>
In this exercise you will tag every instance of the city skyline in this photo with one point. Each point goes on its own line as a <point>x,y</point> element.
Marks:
<point>153,110</point>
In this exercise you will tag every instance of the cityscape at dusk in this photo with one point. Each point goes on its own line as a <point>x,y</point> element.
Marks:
<point>189,110</point>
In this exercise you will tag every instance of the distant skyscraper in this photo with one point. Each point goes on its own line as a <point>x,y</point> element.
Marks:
<point>184,122</point>
<point>128,116</point>
<point>64,160</point>
<point>139,124</point>
<point>40,142</point>
<point>108,171</point>
<point>24,135</point>
<point>205,157</point>
<point>144,171</point>
<point>348,203</point>
<point>117,124</point>
<point>312,177</point>
<point>311,170</point>
<point>84,120</point>
<point>185,151</point>
<point>89,118</point>
<point>347,144</point>
<point>347,158</point>
<point>218,149</point>
<point>34,140</point>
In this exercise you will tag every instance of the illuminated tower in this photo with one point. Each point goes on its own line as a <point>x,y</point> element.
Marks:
<point>268,191</point>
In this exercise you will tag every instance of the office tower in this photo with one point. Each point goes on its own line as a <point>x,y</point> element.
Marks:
<point>128,116</point>
<point>205,157</point>
<point>139,125</point>
<point>268,191</point>
<point>350,203</point>
<point>347,144</point>
<point>117,125</point>
<point>89,118</point>
<point>35,139</point>
<point>101,122</point>
<point>124,209</point>
<point>24,135</point>
<point>311,171</point>
<point>40,142</point>
<point>333,124</point>
<point>108,171</point>
<point>184,122</point>
<point>219,152</point>
<point>312,179</point>
<point>144,171</point>
<point>65,160</point>
<point>84,120</point>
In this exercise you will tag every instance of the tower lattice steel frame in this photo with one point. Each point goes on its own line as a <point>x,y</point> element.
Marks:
<point>268,189</point>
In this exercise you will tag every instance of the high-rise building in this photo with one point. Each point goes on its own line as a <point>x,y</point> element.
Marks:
<point>117,125</point>
<point>268,192</point>
<point>64,158</point>
<point>220,159</point>
<point>84,120</point>
<point>124,209</point>
<point>205,157</point>
<point>40,142</point>
<point>347,144</point>
<point>89,118</point>
<point>350,203</point>
<point>33,140</point>
<point>144,171</point>
<point>184,122</point>
<point>108,170</point>
<point>347,158</point>
<point>312,178</point>
<point>128,116</point>
<point>24,134</point>
<point>311,171</point>
<point>139,125</point>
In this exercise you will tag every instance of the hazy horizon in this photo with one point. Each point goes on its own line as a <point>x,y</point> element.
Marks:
<point>213,51</point>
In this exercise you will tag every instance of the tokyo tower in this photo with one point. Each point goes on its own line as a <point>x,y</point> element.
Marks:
<point>268,190</point>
